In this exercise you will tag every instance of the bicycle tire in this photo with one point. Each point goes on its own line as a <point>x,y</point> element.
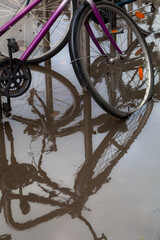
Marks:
<point>53,41</point>
<point>131,74</point>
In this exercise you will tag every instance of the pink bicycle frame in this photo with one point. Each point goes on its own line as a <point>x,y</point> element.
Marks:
<point>51,21</point>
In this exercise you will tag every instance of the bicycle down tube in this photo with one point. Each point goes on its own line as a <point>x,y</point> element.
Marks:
<point>50,22</point>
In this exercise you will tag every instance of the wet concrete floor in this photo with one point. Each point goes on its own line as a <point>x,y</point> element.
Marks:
<point>70,171</point>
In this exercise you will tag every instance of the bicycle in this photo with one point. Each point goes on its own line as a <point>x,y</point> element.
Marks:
<point>116,91</point>
<point>52,103</point>
<point>35,18</point>
<point>36,115</point>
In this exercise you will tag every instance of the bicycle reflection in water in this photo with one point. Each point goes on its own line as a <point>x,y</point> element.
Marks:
<point>19,179</point>
<point>52,103</point>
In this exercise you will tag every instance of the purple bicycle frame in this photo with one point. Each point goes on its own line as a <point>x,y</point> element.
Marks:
<point>51,21</point>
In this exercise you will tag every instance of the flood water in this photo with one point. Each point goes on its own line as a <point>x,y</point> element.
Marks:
<point>70,171</point>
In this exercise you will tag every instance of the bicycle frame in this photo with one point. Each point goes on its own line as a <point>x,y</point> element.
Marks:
<point>51,21</point>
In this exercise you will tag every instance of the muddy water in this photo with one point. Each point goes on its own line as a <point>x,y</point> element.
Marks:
<point>70,171</point>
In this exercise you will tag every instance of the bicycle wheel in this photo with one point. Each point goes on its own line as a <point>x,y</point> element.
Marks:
<point>29,26</point>
<point>8,8</point>
<point>51,96</point>
<point>119,83</point>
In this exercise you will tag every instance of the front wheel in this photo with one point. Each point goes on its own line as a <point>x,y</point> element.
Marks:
<point>119,83</point>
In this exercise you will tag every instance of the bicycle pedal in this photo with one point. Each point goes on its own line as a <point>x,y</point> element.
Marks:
<point>13,45</point>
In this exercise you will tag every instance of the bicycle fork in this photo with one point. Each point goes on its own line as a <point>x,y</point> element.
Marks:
<point>104,28</point>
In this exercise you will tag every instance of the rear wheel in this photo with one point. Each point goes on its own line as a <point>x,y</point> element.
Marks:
<point>28,27</point>
<point>119,83</point>
<point>50,96</point>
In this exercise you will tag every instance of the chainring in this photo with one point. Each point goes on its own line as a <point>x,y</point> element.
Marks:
<point>15,78</point>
